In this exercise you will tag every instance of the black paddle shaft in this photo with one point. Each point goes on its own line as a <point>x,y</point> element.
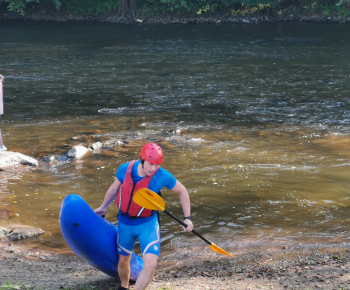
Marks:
<point>185,225</point>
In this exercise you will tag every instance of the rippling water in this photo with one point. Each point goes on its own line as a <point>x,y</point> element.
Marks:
<point>262,110</point>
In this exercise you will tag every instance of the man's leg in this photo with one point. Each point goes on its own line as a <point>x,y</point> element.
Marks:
<point>147,273</point>
<point>124,270</point>
<point>2,146</point>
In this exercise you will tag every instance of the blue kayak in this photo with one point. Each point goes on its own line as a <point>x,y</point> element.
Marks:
<point>93,238</point>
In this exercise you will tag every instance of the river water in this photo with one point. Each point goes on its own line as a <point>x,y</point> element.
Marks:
<point>253,119</point>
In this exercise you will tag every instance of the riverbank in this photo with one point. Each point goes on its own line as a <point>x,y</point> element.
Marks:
<point>291,268</point>
<point>220,19</point>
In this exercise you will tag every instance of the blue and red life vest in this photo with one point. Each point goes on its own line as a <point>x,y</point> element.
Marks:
<point>124,198</point>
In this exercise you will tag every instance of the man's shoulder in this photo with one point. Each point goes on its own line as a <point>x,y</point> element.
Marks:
<point>122,171</point>
<point>165,178</point>
<point>125,165</point>
<point>161,170</point>
<point>164,173</point>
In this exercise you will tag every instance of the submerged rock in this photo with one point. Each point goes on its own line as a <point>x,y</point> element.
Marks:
<point>111,143</point>
<point>20,233</point>
<point>9,159</point>
<point>23,233</point>
<point>173,132</point>
<point>5,212</point>
<point>196,141</point>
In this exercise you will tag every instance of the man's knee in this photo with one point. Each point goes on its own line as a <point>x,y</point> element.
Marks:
<point>150,261</point>
<point>124,261</point>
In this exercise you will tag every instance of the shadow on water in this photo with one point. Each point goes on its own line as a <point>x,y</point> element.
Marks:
<point>253,121</point>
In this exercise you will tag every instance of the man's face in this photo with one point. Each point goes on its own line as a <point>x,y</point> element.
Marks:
<point>149,168</point>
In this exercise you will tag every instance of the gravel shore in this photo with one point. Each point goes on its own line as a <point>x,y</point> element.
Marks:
<point>38,267</point>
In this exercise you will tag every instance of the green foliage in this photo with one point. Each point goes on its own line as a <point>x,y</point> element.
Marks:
<point>75,6</point>
<point>91,6</point>
<point>203,7</point>
<point>184,8</point>
<point>257,3</point>
<point>21,6</point>
<point>57,4</point>
<point>245,9</point>
<point>185,5</point>
<point>18,5</point>
<point>331,7</point>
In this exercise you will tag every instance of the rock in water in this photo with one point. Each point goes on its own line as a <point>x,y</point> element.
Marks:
<point>20,233</point>
<point>3,232</point>
<point>78,151</point>
<point>10,159</point>
<point>96,145</point>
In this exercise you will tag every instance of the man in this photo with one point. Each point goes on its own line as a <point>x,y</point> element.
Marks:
<point>139,223</point>
<point>2,146</point>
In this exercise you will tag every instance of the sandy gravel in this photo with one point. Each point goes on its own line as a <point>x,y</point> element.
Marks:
<point>40,268</point>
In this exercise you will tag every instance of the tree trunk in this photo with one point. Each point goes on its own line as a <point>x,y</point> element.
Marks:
<point>133,7</point>
<point>128,4</point>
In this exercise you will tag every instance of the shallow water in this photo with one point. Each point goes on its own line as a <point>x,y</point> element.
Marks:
<point>262,110</point>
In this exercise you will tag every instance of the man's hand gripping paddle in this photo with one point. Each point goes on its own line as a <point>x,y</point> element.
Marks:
<point>150,200</point>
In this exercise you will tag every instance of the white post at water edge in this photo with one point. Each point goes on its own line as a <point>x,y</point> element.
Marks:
<point>2,146</point>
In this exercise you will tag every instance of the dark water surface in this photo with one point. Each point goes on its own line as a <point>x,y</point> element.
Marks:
<point>263,111</point>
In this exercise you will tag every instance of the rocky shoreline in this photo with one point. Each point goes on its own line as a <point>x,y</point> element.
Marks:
<point>28,262</point>
<point>114,18</point>
<point>291,268</point>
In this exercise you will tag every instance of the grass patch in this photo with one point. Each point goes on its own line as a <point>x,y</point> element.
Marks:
<point>9,285</point>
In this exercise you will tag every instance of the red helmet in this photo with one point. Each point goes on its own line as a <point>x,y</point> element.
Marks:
<point>152,153</point>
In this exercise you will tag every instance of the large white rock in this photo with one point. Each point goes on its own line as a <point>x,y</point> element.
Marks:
<point>10,159</point>
<point>78,151</point>
<point>96,145</point>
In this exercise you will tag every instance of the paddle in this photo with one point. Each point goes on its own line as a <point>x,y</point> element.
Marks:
<point>150,200</point>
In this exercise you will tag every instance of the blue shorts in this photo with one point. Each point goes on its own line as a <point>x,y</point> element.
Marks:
<point>147,233</point>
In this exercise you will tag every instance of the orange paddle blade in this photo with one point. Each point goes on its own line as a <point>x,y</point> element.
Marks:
<point>217,249</point>
<point>149,199</point>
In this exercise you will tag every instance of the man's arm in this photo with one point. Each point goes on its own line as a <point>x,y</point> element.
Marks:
<point>109,197</point>
<point>185,203</point>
